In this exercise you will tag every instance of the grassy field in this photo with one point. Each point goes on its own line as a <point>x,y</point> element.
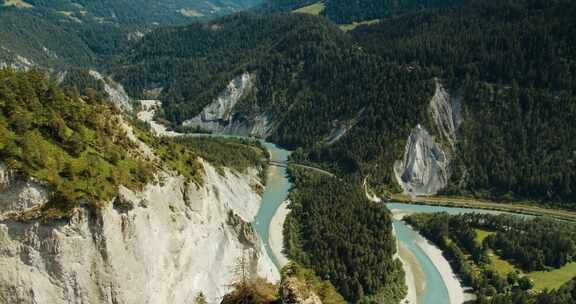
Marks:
<point>312,9</point>
<point>463,202</point>
<point>481,235</point>
<point>18,3</point>
<point>503,267</point>
<point>542,279</point>
<point>188,12</point>
<point>555,278</point>
<point>349,27</point>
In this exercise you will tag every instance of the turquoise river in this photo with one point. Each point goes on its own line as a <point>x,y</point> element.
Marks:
<point>276,191</point>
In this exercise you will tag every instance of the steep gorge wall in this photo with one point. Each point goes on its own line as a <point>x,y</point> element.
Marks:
<point>221,117</point>
<point>424,169</point>
<point>164,244</point>
<point>115,91</point>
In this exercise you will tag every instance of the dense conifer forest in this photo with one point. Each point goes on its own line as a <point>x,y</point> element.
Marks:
<point>510,63</point>
<point>513,65</point>
<point>515,87</point>
<point>310,77</point>
<point>334,230</point>
<point>61,33</point>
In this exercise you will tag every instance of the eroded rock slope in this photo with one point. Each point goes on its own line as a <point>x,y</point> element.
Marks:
<point>425,167</point>
<point>221,117</point>
<point>163,244</point>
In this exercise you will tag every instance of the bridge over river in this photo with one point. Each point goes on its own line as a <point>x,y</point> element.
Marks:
<point>289,163</point>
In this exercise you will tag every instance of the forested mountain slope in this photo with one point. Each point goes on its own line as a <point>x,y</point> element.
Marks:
<point>351,101</point>
<point>514,65</point>
<point>342,11</point>
<point>57,32</point>
<point>311,80</point>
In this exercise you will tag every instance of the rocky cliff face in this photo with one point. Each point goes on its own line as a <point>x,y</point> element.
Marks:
<point>116,93</point>
<point>424,169</point>
<point>445,112</point>
<point>294,291</point>
<point>164,244</point>
<point>220,116</point>
<point>17,193</point>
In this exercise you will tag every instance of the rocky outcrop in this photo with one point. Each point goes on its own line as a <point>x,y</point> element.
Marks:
<point>294,291</point>
<point>425,169</point>
<point>146,114</point>
<point>445,112</point>
<point>15,61</point>
<point>164,244</point>
<point>220,116</point>
<point>18,193</point>
<point>115,91</point>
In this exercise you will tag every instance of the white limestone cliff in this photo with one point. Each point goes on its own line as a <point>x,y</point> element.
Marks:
<point>116,93</point>
<point>165,243</point>
<point>424,169</point>
<point>445,112</point>
<point>220,116</point>
<point>18,194</point>
<point>146,114</point>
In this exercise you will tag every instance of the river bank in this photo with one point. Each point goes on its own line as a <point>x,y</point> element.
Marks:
<point>415,279</point>
<point>463,202</point>
<point>276,232</point>
<point>428,273</point>
<point>456,291</point>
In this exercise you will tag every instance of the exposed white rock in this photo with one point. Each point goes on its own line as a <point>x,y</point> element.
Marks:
<point>164,244</point>
<point>116,93</point>
<point>147,111</point>
<point>16,62</point>
<point>18,194</point>
<point>135,36</point>
<point>221,108</point>
<point>220,117</point>
<point>60,76</point>
<point>49,52</point>
<point>370,195</point>
<point>23,62</point>
<point>295,291</point>
<point>142,148</point>
<point>424,169</point>
<point>445,117</point>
